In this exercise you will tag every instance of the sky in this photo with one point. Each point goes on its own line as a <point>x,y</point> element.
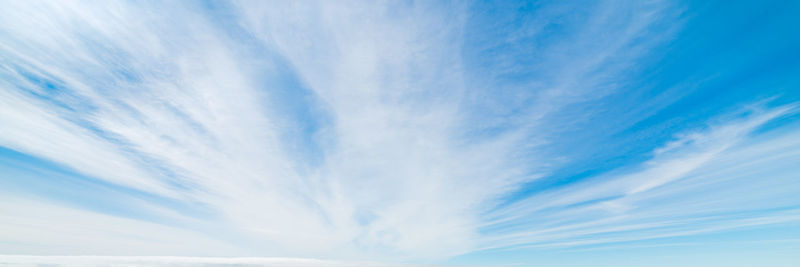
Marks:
<point>494,133</point>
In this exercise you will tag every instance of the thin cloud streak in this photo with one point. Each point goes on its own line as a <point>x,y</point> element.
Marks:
<point>689,187</point>
<point>175,261</point>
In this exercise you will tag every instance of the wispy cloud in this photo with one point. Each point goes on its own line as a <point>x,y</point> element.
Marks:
<point>355,130</point>
<point>192,109</point>
<point>691,185</point>
<point>174,261</point>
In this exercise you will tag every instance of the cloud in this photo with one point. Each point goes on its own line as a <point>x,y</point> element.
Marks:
<point>191,106</point>
<point>344,130</point>
<point>28,224</point>
<point>692,185</point>
<point>173,261</point>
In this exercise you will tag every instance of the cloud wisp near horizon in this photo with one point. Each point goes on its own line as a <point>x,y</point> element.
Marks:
<point>396,131</point>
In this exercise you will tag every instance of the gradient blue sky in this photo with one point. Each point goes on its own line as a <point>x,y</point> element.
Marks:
<point>555,133</point>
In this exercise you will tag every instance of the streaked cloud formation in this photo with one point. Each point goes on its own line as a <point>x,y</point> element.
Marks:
<point>395,131</point>
<point>174,261</point>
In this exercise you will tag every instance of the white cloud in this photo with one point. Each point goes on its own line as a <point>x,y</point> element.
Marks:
<point>165,95</point>
<point>18,260</point>
<point>171,99</point>
<point>692,185</point>
<point>37,227</point>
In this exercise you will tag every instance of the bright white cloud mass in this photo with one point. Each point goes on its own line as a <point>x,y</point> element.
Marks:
<point>396,131</point>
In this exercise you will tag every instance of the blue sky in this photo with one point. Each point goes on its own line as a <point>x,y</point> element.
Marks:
<point>555,133</point>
